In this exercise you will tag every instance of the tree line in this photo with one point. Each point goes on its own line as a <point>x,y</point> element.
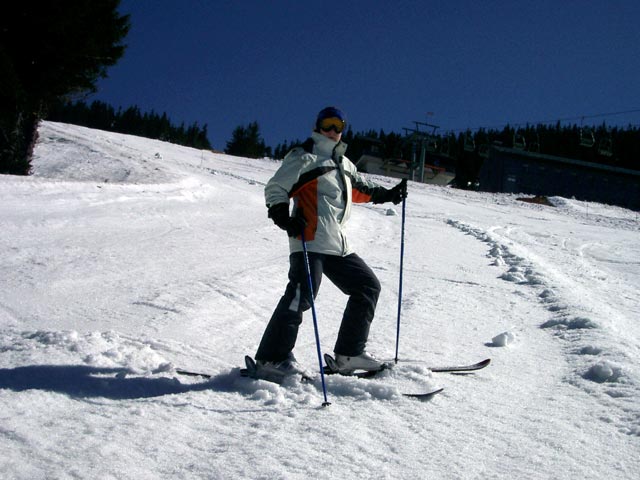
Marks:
<point>613,146</point>
<point>131,121</point>
<point>618,147</point>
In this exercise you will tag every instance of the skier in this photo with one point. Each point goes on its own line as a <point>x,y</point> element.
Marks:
<point>322,183</point>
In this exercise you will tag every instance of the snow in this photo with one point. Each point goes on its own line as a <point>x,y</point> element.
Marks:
<point>125,258</point>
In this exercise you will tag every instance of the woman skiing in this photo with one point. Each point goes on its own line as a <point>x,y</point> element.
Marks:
<point>322,183</point>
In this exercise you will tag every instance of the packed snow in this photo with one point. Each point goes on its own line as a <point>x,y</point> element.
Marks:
<point>124,259</point>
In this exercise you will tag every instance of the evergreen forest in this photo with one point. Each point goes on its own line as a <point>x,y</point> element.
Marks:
<point>613,146</point>
<point>131,121</point>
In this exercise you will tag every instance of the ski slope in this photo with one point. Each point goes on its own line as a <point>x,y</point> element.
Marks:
<point>125,258</point>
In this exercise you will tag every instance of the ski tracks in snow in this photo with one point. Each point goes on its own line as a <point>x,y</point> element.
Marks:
<point>586,331</point>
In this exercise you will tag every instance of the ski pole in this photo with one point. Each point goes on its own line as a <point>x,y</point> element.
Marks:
<point>326,403</point>
<point>404,204</point>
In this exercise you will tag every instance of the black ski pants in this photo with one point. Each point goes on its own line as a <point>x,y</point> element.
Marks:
<point>351,275</point>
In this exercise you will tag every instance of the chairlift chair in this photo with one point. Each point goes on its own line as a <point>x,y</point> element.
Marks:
<point>446,145</point>
<point>483,150</point>
<point>432,145</point>
<point>605,147</point>
<point>587,138</point>
<point>469,143</point>
<point>535,146</point>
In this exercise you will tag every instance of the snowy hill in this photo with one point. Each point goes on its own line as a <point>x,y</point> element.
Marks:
<point>125,258</point>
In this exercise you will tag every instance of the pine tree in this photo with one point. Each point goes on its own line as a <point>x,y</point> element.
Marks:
<point>50,49</point>
<point>247,142</point>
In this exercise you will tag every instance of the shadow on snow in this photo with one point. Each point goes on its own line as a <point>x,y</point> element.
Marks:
<point>86,382</point>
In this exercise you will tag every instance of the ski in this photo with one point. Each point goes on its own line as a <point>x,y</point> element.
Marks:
<point>250,372</point>
<point>331,368</point>
<point>424,396</point>
<point>188,373</point>
<point>462,368</point>
<point>328,371</point>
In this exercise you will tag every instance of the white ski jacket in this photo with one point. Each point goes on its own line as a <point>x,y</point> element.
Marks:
<point>323,183</point>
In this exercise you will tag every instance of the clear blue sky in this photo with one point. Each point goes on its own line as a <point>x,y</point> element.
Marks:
<point>386,63</point>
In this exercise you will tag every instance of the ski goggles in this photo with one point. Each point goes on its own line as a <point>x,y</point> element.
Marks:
<point>332,123</point>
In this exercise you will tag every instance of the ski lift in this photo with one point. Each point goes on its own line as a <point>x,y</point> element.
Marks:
<point>469,143</point>
<point>519,142</point>
<point>535,146</point>
<point>446,145</point>
<point>432,145</point>
<point>587,138</point>
<point>605,147</point>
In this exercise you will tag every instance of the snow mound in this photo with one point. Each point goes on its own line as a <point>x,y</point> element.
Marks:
<point>503,339</point>
<point>604,371</point>
<point>574,323</point>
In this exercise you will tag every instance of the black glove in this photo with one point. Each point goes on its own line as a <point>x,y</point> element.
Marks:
<point>294,226</point>
<point>395,195</point>
<point>399,192</point>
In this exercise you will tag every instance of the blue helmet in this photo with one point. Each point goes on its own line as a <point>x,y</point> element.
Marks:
<point>330,112</point>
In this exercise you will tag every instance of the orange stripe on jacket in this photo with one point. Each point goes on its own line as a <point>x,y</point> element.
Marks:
<point>360,197</point>
<point>307,197</point>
